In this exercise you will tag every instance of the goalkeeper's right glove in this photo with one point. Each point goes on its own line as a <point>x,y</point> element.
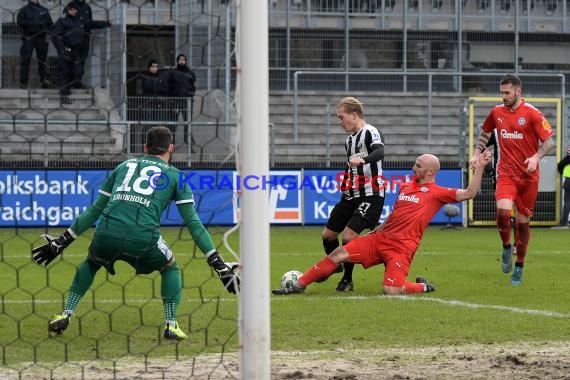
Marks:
<point>226,272</point>
<point>44,254</point>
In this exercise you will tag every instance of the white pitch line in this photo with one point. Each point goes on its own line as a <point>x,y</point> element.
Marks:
<point>463,304</point>
<point>302,254</point>
<point>140,300</point>
<point>471,305</point>
<point>316,252</point>
<point>49,301</point>
<point>467,305</point>
<point>83,255</point>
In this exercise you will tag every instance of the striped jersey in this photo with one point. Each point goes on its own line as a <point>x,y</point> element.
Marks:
<point>365,180</point>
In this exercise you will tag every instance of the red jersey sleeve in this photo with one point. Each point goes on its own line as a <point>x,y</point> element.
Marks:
<point>489,123</point>
<point>542,126</point>
<point>447,195</point>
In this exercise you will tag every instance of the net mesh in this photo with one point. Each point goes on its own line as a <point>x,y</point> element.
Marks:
<point>55,156</point>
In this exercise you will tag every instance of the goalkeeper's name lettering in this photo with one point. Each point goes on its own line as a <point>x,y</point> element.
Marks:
<point>131,198</point>
<point>13,185</point>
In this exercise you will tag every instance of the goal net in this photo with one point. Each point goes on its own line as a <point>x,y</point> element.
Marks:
<point>56,156</point>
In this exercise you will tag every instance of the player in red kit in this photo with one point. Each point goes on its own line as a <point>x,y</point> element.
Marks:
<point>524,136</point>
<point>395,242</point>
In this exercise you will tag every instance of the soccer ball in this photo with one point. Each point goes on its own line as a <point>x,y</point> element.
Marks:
<point>289,278</point>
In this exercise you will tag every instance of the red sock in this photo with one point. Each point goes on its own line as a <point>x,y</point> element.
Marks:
<point>523,237</point>
<point>504,225</point>
<point>323,268</point>
<point>414,287</point>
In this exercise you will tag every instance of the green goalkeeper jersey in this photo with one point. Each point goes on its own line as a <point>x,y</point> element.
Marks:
<point>139,191</point>
<point>133,198</point>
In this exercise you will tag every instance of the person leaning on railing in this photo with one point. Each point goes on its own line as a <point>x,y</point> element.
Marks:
<point>85,20</point>
<point>155,93</point>
<point>68,36</point>
<point>182,88</point>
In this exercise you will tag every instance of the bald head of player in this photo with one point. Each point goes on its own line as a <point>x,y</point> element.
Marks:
<point>426,168</point>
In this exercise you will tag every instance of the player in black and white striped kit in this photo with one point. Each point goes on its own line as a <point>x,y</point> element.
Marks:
<point>362,189</point>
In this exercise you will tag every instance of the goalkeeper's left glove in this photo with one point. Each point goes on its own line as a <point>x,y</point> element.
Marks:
<point>44,254</point>
<point>226,272</point>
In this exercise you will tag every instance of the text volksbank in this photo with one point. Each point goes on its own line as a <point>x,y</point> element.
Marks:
<point>13,185</point>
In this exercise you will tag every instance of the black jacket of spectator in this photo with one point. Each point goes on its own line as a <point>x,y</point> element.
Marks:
<point>85,20</point>
<point>71,32</point>
<point>34,20</point>
<point>154,84</point>
<point>155,92</point>
<point>182,81</point>
<point>68,32</point>
<point>85,17</point>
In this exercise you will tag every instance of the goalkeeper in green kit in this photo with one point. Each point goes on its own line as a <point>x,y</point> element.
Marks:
<point>129,208</point>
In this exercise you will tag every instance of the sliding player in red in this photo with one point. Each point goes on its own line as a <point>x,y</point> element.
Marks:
<point>395,242</point>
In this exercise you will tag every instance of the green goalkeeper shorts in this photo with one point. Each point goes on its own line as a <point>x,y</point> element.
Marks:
<point>145,256</point>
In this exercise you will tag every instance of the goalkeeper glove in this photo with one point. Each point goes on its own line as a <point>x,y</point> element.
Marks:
<point>44,254</point>
<point>225,271</point>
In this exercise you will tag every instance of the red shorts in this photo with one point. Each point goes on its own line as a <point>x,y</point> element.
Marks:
<point>373,249</point>
<point>520,191</point>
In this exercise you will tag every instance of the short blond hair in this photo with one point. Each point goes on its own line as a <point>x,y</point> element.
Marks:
<point>351,104</point>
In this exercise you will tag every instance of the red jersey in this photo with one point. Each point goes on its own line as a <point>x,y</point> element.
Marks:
<point>415,207</point>
<point>518,134</point>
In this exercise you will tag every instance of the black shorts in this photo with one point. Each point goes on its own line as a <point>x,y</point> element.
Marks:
<point>357,214</point>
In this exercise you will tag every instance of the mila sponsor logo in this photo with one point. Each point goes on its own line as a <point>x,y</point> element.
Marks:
<point>511,135</point>
<point>408,198</point>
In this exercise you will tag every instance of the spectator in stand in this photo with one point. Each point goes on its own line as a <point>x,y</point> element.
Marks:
<point>68,36</point>
<point>182,87</point>
<point>155,94</point>
<point>85,20</point>
<point>34,23</point>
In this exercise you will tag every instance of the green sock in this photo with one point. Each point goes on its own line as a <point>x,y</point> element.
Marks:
<point>171,289</point>
<point>82,281</point>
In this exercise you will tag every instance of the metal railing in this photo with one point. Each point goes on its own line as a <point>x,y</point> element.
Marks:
<point>29,143</point>
<point>428,14</point>
<point>447,32</point>
<point>427,79</point>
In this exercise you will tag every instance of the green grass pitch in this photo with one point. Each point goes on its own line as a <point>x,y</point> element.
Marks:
<point>122,314</point>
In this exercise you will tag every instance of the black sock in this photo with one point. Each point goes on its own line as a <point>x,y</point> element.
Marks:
<point>348,268</point>
<point>330,245</point>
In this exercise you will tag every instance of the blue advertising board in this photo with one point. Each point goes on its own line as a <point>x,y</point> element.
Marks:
<point>38,198</point>
<point>318,202</point>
